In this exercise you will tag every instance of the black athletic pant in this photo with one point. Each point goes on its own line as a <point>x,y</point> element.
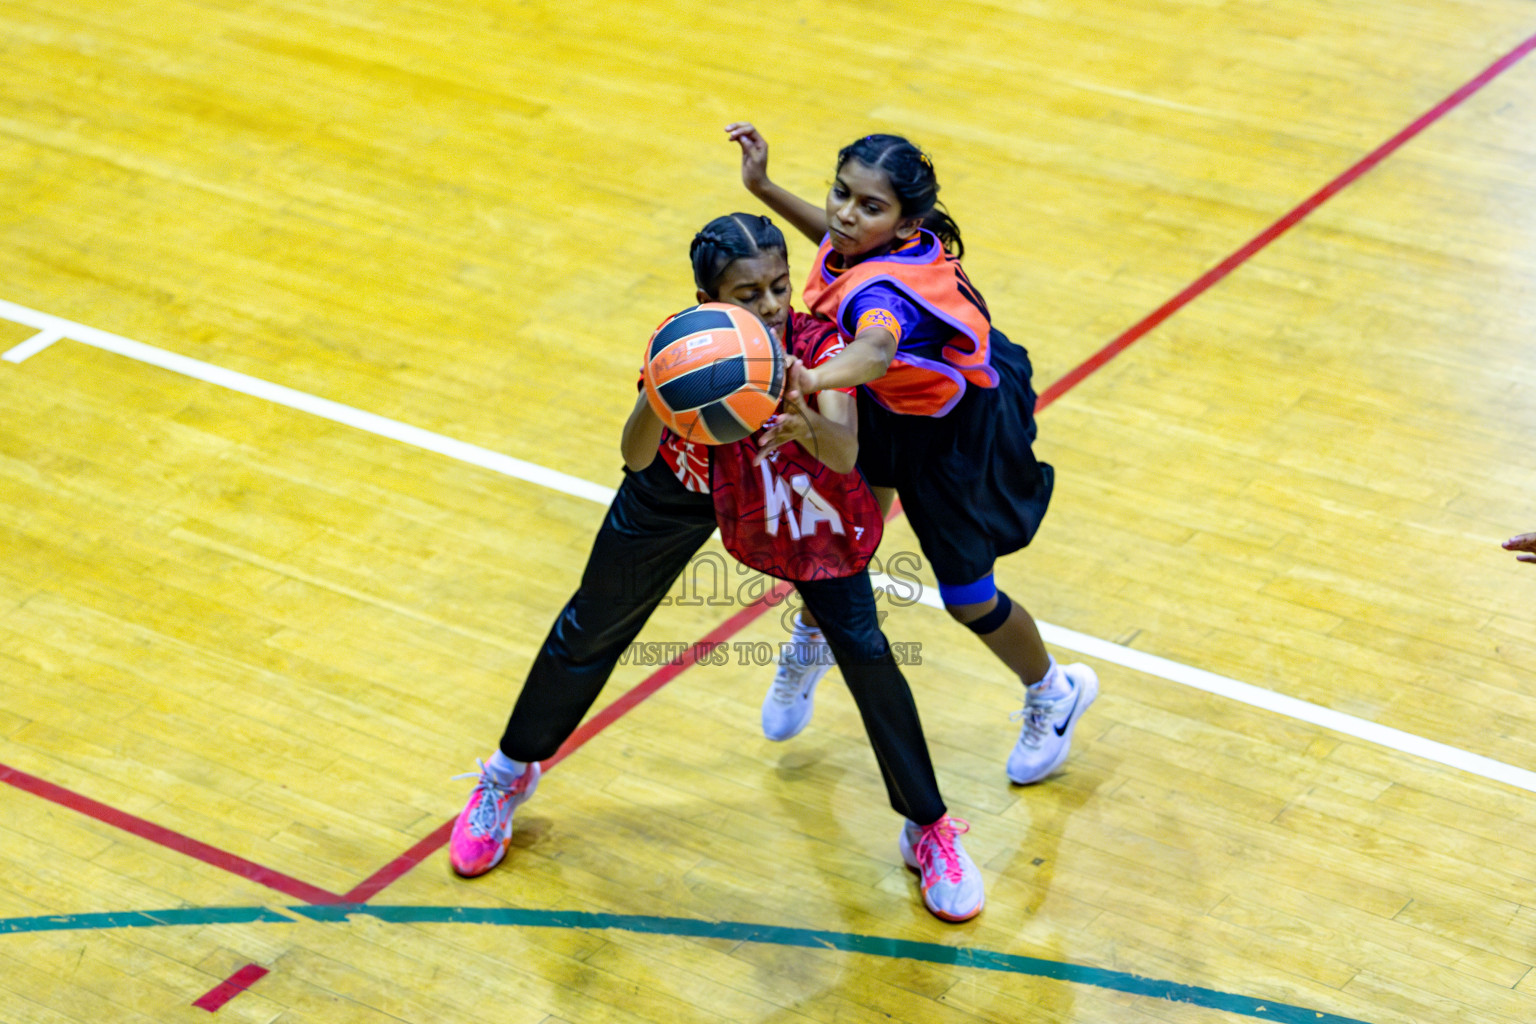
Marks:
<point>652,529</point>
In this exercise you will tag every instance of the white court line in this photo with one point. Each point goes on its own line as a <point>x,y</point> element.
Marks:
<point>32,346</point>
<point>1117,654</point>
<point>1256,696</point>
<point>305,402</point>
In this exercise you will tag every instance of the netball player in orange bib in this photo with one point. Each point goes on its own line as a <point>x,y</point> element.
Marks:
<point>793,507</point>
<point>946,413</point>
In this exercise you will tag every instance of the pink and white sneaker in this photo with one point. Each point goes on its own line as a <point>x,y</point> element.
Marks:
<point>952,886</point>
<point>484,827</point>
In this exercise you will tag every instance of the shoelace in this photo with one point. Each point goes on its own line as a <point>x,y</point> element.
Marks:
<point>482,820</point>
<point>938,840</point>
<point>1037,715</point>
<point>790,677</point>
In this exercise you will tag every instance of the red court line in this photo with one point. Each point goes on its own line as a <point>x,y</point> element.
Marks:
<point>392,871</point>
<point>166,837</point>
<point>1280,227</point>
<point>230,987</point>
<point>395,869</point>
<point>721,633</point>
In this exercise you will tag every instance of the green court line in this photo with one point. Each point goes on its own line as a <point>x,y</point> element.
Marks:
<point>869,945</point>
<point>183,916</point>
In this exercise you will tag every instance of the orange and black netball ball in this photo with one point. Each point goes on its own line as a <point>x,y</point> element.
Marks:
<point>714,373</point>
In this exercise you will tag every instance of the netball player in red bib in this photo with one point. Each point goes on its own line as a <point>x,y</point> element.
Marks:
<point>946,410</point>
<point>795,508</point>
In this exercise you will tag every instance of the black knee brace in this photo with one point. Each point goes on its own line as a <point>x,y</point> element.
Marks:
<point>994,619</point>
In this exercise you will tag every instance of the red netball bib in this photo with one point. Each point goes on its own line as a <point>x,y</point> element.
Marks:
<point>791,516</point>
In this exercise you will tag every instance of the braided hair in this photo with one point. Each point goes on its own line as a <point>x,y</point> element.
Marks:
<point>727,239</point>
<point>910,172</point>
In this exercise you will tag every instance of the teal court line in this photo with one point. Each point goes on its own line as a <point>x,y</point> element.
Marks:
<point>868,945</point>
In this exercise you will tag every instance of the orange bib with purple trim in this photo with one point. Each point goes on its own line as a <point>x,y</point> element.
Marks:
<point>915,384</point>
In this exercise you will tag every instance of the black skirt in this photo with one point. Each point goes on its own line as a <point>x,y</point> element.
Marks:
<point>969,481</point>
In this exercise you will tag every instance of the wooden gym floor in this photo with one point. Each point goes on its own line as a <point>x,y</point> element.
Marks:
<point>322,320</point>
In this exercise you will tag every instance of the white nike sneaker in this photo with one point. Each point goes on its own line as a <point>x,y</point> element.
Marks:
<point>802,662</point>
<point>1048,723</point>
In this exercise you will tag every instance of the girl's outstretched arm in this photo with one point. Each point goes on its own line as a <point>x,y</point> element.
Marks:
<point>642,435</point>
<point>810,220</point>
<point>866,358</point>
<point>830,435</point>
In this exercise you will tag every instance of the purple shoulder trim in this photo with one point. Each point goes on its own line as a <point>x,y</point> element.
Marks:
<point>913,297</point>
